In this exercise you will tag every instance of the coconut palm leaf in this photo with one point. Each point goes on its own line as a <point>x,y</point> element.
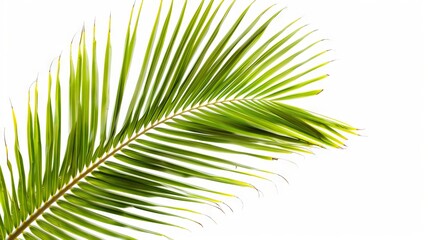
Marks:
<point>210,100</point>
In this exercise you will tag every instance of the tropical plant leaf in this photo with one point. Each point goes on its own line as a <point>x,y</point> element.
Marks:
<point>211,90</point>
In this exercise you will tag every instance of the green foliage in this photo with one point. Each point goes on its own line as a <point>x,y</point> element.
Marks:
<point>200,91</point>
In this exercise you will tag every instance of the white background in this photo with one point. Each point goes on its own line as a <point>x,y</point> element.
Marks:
<point>375,189</point>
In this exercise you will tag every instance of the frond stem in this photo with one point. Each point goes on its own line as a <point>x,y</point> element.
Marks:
<point>21,228</point>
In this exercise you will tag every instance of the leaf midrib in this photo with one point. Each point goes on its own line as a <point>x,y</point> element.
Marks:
<point>21,228</point>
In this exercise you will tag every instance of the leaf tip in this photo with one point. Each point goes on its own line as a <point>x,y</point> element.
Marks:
<point>50,66</point>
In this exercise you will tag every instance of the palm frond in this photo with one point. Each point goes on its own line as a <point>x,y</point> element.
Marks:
<point>211,90</point>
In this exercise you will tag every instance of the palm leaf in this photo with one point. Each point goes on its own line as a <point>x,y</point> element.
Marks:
<point>209,103</point>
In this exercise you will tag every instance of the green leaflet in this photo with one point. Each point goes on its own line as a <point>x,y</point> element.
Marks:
<point>210,100</point>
